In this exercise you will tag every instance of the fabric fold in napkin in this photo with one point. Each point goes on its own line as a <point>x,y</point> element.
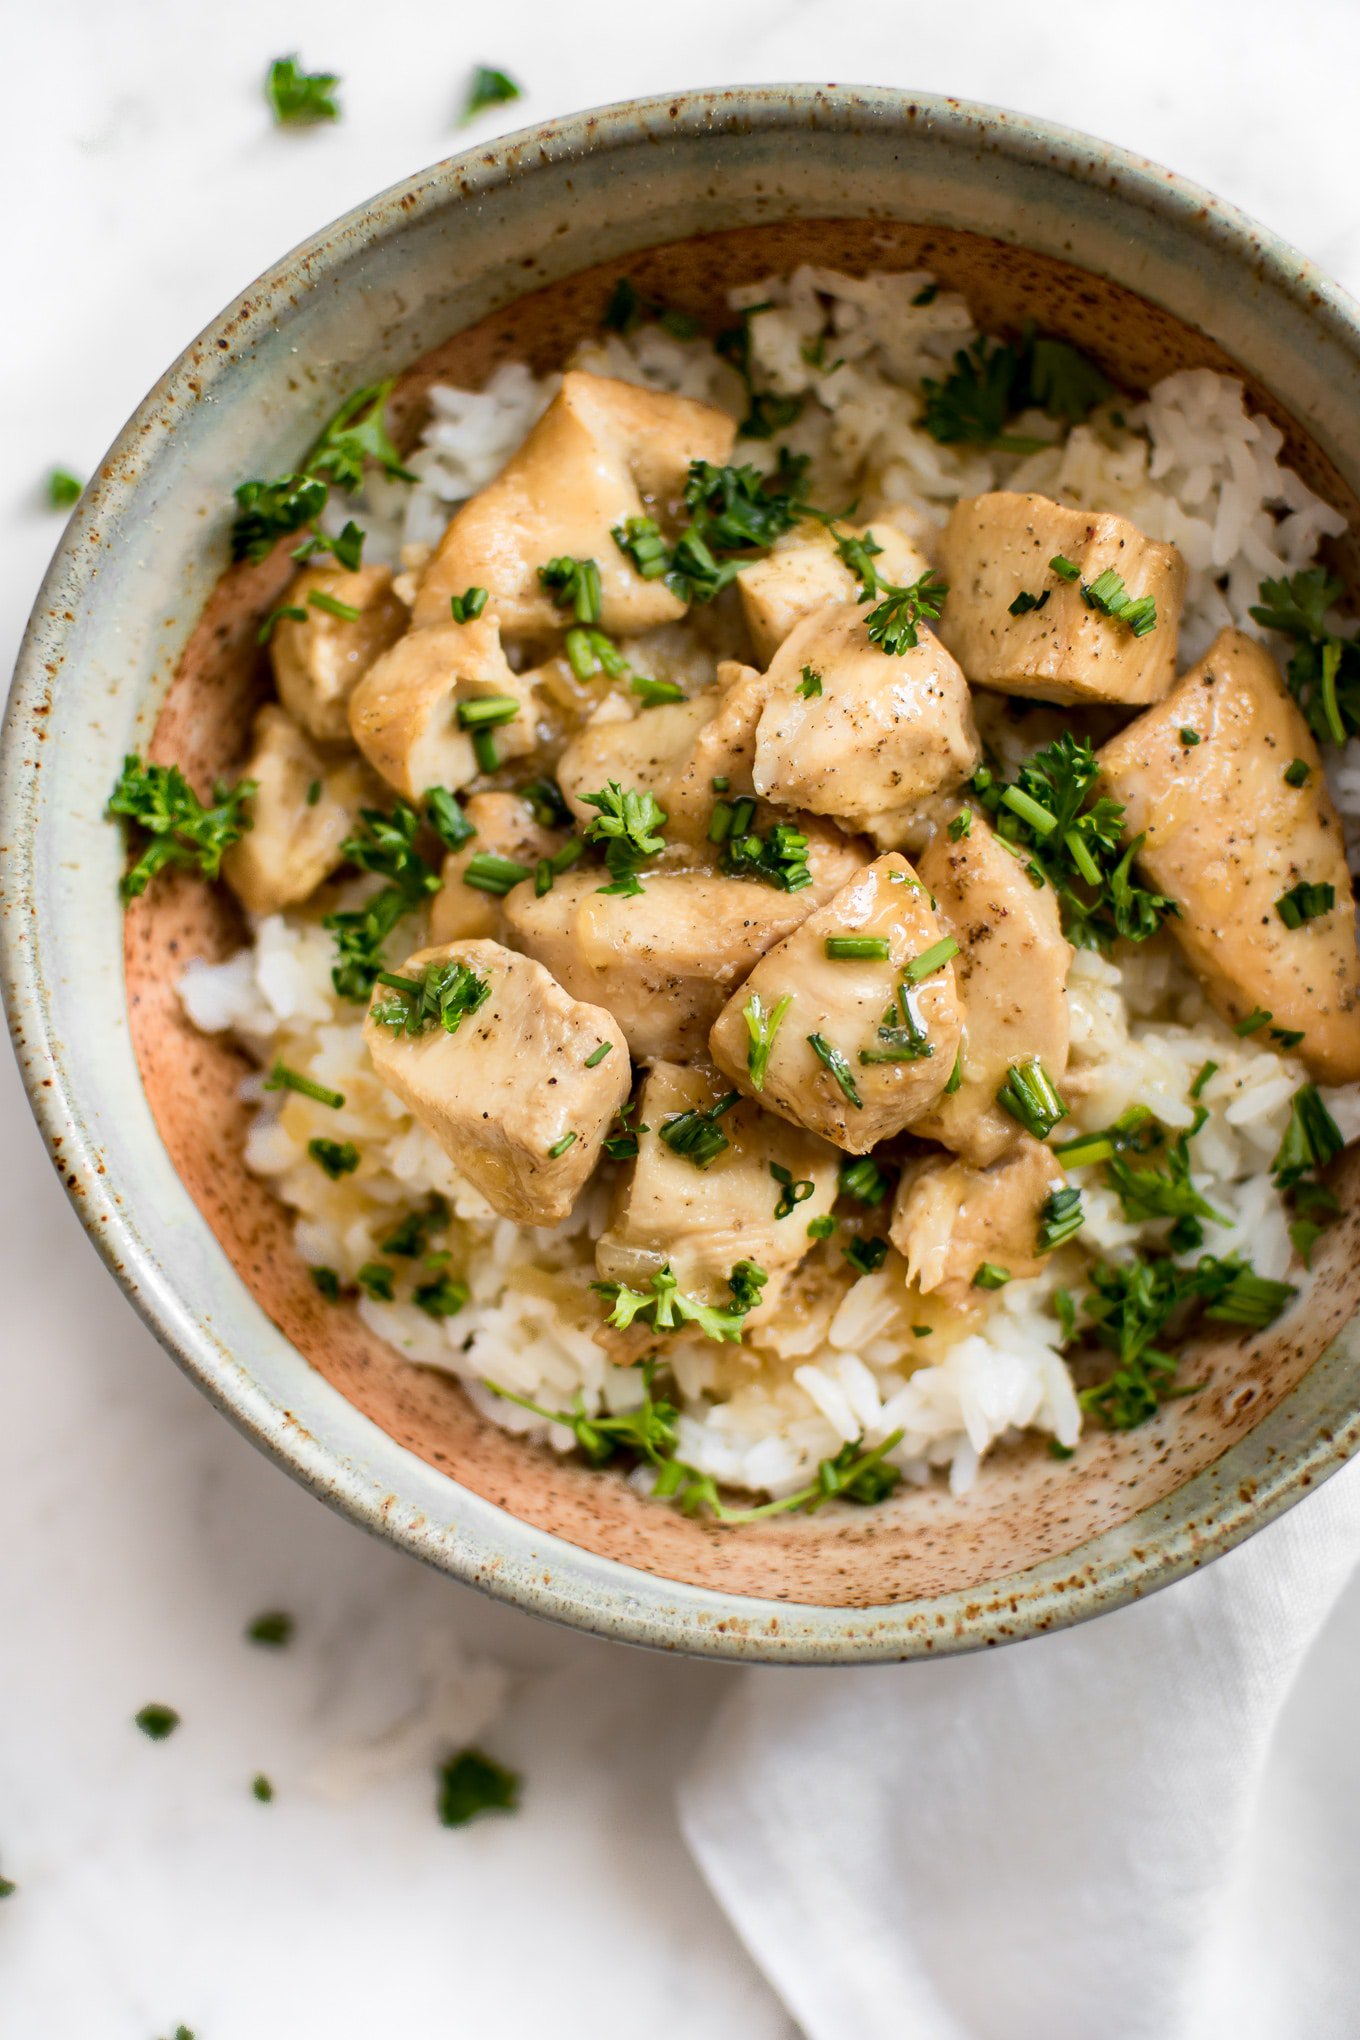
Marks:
<point>1139,1829</point>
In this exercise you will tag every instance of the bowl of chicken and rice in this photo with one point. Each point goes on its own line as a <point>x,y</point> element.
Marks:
<point>678,888</point>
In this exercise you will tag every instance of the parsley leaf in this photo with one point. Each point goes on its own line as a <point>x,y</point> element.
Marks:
<point>274,1629</point>
<point>160,803</point>
<point>471,1784</point>
<point>629,825</point>
<point>992,380</point>
<point>442,996</point>
<point>63,488</point>
<point>300,98</point>
<point>383,843</point>
<point>1323,673</point>
<point>665,1306</point>
<point>489,87</point>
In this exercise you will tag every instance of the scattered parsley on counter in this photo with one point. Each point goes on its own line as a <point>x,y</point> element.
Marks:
<point>274,1629</point>
<point>158,801</point>
<point>156,1721</point>
<point>63,488</point>
<point>472,1784</point>
<point>7,1887</point>
<point>261,1788</point>
<point>300,98</point>
<point>489,87</point>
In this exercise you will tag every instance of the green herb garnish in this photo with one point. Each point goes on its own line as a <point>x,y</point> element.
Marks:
<point>281,1078</point>
<point>489,87</point>
<point>442,995</point>
<point>300,98</point>
<point>384,844</point>
<point>762,1028</point>
<point>468,606</point>
<point>1031,1097</point>
<point>180,831</point>
<point>989,1276</point>
<point>472,1784</point>
<point>274,1629</point>
<point>156,1721</point>
<point>629,825</point>
<point>665,1307</point>
<point>846,948</point>
<point>63,488</point>
<point>810,685</point>
<point>1306,901</point>
<point>336,1157</point>
<point>832,1059</point>
<point>1060,1219</point>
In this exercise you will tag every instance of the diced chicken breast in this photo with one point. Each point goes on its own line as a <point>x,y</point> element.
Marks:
<point>1227,837</point>
<point>876,733</point>
<point>602,452</point>
<point>505,1090</point>
<point>998,548</point>
<point>505,827</point>
<point>803,572</point>
<point>404,712</point>
<point>948,1218</point>
<point>1011,973</point>
<point>642,753</point>
<point>724,748</point>
<point>303,810</point>
<point>319,661</point>
<point>704,1219</point>
<point>842,1009</point>
<point>662,961</point>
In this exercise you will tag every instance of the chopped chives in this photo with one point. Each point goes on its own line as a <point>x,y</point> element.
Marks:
<point>487,711</point>
<point>1029,810</point>
<point>1306,901</point>
<point>314,793</point>
<point>821,1228</point>
<point>955,1076</point>
<point>1065,569</point>
<point>281,1078</point>
<point>845,947</point>
<point>962,824</point>
<point>1030,1096</point>
<point>1061,1217</point>
<point>491,874</point>
<point>930,960</point>
<point>559,1147</point>
<point>1206,1070</point>
<point>835,1062</point>
<point>762,1027</point>
<point>468,605</point>
<point>922,1331</point>
<point>989,1276</point>
<point>330,606</point>
<point>720,782</point>
<point>484,750</point>
<point>336,1157</point>
<point>1254,1021</point>
<point>599,1054</point>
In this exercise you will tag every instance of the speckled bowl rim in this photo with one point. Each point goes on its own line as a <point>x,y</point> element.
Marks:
<point>381,1486</point>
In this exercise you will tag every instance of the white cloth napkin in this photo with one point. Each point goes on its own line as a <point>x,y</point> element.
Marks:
<point>1147,1828</point>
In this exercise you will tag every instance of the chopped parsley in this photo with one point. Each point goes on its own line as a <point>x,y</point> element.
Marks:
<point>442,1297</point>
<point>281,1078</point>
<point>63,488</point>
<point>489,87</point>
<point>261,1788</point>
<point>792,1191</point>
<point>1297,772</point>
<point>832,1060</point>
<point>299,98</point>
<point>697,1135</point>
<point>992,381</point>
<point>767,412</point>
<point>810,684</point>
<point>893,625</point>
<point>1075,848</point>
<point>962,825</point>
<point>1189,738</point>
<point>441,996</point>
<point>628,307</point>
<point>157,1721</point>
<point>410,1237</point>
<point>348,548</point>
<point>762,1027</point>
<point>383,843</point>
<point>1306,901</point>
<point>274,1629</point>
<point>1323,673</point>
<point>336,1157</point>
<point>629,825</point>
<point>1312,1139</point>
<point>665,1307</point>
<point>735,513</point>
<point>854,1475</point>
<point>866,1256</point>
<point>327,1282</point>
<point>472,1784</point>
<point>357,434</point>
<point>375,1278</point>
<point>648,1429</point>
<point>179,831</point>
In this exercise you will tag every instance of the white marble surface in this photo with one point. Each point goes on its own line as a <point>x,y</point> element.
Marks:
<point>141,1534</point>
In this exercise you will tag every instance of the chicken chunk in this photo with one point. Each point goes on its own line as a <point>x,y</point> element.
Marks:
<point>404,713</point>
<point>662,961</point>
<point>703,1218</point>
<point>643,752</point>
<point>602,452</point>
<point>1230,839</point>
<point>876,735</point>
<point>304,808</point>
<point>507,1093</point>
<point>803,572</point>
<point>840,1015</point>
<point>1011,972</point>
<point>999,547</point>
<point>948,1219</point>
<point>505,827</point>
<point>320,659</point>
<point>724,748</point>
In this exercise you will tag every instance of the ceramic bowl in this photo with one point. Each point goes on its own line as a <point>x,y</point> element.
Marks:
<point>137,637</point>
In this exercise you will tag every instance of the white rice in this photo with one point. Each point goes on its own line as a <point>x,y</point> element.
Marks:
<point>1191,465</point>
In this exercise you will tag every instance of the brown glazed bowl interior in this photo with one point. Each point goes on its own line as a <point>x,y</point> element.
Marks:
<point>725,189</point>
